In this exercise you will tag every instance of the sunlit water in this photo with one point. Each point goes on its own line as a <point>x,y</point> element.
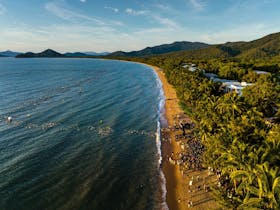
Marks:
<point>83,135</point>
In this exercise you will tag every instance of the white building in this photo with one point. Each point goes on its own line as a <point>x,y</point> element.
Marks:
<point>229,85</point>
<point>190,67</point>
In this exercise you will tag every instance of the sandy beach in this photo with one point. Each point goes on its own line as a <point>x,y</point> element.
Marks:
<point>177,183</point>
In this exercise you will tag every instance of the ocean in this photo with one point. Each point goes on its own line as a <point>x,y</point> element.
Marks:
<point>84,135</point>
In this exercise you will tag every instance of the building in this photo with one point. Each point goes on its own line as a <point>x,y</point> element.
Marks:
<point>228,85</point>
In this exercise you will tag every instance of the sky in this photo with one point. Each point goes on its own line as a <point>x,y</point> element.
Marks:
<point>111,25</point>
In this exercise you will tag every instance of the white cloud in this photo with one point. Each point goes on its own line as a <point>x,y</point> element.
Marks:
<point>151,31</point>
<point>131,11</point>
<point>114,23</point>
<point>253,31</point>
<point>58,37</point>
<point>112,8</point>
<point>165,21</point>
<point>198,5</point>
<point>73,16</point>
<point>162,7</point>
<point>2,9</point>
<point>76,37</point>
<point>66,14</point>
<point>81,38</point>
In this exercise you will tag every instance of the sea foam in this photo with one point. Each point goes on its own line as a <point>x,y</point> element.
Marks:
<point>158,141</point>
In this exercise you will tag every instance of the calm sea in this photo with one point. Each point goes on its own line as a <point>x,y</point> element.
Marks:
<point>83,135</point>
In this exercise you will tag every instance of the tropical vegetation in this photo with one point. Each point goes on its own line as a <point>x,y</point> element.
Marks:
<point>241,133</point>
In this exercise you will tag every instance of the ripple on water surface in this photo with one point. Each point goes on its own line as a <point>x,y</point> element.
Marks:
<point>82,135</point>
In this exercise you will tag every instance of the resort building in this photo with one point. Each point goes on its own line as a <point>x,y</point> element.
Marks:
<point>227,85</point>
<point>190,67</point>
<point>261,72</point>
<point>236,87</point>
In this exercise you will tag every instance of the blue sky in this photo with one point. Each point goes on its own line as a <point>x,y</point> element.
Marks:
<point>110,25</point>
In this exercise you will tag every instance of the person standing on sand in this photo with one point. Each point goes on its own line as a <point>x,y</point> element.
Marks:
<point>190,204</point>
<point>190,185</point>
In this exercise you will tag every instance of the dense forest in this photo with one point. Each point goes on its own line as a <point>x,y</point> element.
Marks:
<point>241,133</point>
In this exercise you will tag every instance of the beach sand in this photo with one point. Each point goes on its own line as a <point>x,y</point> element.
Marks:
<point>177,184</point>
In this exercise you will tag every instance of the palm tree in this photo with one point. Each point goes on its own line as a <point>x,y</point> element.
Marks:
<point>272,146</point>
<point>268,179</point>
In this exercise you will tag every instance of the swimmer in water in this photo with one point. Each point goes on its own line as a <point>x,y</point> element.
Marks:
<point>9,119</point>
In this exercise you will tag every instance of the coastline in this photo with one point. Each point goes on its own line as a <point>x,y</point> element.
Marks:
<point>177,183</point>
<point>171,108</point>
<point>171,174</point>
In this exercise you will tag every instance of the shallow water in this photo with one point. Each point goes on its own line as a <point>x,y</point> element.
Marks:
<point>83,135</point>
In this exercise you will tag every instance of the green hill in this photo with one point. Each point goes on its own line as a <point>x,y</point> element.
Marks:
<point>45,54</point>
<point>161,49</point>
<point>265,47</point>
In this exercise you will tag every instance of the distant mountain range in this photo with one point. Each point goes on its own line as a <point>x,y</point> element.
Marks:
<point>265,47</point>
<point>96,54</point>
<point>157,50</point>
<point>75,54</point>
<point>9,53</point>
<point>45,54</point>
<point>49,53</point>
<point>162,49</point>
<point>268,46</point>
<point>85,54</point>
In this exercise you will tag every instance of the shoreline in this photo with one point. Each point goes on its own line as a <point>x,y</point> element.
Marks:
<point>177,183</point>
<point>171,107</point>
<point>178,193</point>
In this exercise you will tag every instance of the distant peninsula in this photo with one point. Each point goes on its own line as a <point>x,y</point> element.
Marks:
<point>148,51</point>
<point>9,53</point>
<point>49,53</point>
<point>45,54</point>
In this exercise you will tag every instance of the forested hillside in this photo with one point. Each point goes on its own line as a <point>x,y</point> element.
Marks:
<point>266,47</point>
<point>162,49</point>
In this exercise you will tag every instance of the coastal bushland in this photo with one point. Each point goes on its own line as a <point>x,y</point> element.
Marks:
<point>241,133</point>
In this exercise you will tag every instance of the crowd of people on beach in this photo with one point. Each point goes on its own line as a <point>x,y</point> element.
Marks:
<point>192,155</point>
<point>189,159</point>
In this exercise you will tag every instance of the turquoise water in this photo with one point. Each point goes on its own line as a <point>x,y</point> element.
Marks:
<point>83,135</point>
